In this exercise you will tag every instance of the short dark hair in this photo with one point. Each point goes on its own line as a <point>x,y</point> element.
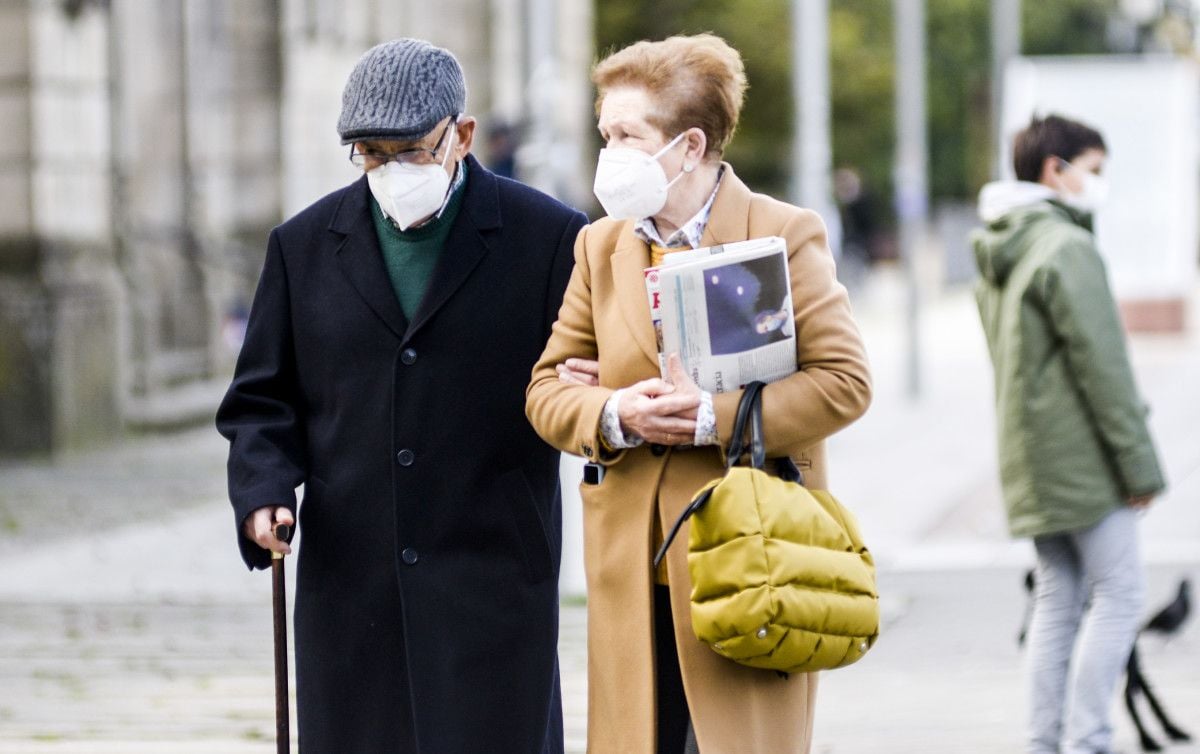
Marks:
<point>1052,136</point>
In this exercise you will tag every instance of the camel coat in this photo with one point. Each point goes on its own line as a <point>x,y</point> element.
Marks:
<point>605,316</point>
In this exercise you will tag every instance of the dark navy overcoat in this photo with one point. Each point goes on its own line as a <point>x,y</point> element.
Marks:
<point>426,601</point>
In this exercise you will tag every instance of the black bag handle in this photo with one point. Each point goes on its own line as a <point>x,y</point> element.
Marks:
<point>758,443</point>
<point>749,410</point>
<point>785,467</point>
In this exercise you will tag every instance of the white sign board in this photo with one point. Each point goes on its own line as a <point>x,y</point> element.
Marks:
<point>1148,110</point>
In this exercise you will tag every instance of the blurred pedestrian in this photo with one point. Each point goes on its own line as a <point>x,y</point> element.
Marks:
<point>857,211</point>
<point>502,145</point>
<point>1076,458</point>
<point>384,366</point>
<point>667,110</point>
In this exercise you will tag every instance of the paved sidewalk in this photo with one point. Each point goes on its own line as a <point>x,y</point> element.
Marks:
<point>945,677</point>
<point>128,624</point>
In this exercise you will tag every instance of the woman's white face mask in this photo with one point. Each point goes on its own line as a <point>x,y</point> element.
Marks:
<point>410,193</point>
<point>631,184</point>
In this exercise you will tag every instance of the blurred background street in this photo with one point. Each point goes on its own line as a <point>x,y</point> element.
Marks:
<point>128,624</point>
<point>150,147</point>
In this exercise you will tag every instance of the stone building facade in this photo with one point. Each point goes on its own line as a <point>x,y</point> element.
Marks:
<point>149,147</point>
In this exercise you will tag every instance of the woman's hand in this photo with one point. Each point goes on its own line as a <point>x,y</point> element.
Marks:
<point>659,411</point>
<point>579,372</point>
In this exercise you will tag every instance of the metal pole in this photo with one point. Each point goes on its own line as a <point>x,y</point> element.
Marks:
<point>811,144</point>
<point>911,182</point>
<point>1006,44</point>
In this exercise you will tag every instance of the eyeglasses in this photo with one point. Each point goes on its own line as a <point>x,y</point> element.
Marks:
<point>413,156</point>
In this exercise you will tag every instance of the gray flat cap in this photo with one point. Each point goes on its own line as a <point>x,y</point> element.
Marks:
<point>400,90</point>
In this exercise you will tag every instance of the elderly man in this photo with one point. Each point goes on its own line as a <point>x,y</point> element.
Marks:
<point>384,368</point>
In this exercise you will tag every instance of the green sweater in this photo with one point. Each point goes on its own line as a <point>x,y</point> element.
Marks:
<point>410,255</point>
<point>1072,429</point>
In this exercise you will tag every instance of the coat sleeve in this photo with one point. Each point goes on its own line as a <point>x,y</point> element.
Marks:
<point>833,386</point>
<point>1074,290</point>
<point>259,415</point>
<point>560,269</point>
<point>568,416</point>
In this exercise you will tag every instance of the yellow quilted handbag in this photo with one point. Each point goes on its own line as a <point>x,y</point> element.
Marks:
<point>781,579</point>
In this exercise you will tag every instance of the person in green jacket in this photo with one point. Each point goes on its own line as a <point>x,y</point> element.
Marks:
<point>1076,458</point>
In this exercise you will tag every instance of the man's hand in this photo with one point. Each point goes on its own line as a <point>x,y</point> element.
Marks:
<point>579,372</point>
<point>260,527</point>
<point>1140,502</point>
<point>659,411</point>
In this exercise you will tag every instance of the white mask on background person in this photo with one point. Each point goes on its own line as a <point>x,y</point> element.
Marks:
<point>410,193</point>
<point>630,184</point>
<point>1092,194</point>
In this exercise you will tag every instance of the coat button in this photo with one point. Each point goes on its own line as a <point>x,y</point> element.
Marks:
<point>408,356</point>
<point>657,449</point>
<point>409,556</point>
<point>405,457</point>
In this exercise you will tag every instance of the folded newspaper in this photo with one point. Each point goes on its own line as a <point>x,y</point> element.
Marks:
<point>727,311</point>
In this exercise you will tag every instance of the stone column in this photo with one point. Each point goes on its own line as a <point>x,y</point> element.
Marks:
<point>576,145</point>
<point>558,153</point>
<point>233,156</point>
<point>58,288</point>
<point>321,41</point>
<point>507,72</point>
<point>156,199</point>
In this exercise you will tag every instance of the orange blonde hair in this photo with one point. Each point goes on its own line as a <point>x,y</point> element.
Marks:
<point>698,81</point>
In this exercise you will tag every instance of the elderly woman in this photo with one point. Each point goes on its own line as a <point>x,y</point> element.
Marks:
<point>667,110</point>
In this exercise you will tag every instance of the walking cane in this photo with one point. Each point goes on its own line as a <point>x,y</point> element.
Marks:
<point>279,601</point>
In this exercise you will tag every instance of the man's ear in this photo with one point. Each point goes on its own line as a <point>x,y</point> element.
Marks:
<point>466,136</point>
<point>1050,172</point>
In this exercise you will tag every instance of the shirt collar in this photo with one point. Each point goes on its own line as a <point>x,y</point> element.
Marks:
<point>689,234</point>
<point>460,175</point>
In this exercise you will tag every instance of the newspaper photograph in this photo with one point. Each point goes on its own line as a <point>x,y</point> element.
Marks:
<point>727,311</point>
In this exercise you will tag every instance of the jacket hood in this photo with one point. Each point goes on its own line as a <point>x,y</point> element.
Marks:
<point>998,198</point>
<point>1009,208</point>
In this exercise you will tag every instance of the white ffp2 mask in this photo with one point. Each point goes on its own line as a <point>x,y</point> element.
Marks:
<point>630,184</point>
<point>410,193</point>
<point>1093,190</point>
<point>1093,194</point>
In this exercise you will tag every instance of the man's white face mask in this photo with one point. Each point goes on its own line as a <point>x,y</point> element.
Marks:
<point>1093,192</point>
<point>410,193</point>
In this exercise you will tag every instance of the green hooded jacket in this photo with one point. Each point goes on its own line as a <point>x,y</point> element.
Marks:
<point>1072,430</point>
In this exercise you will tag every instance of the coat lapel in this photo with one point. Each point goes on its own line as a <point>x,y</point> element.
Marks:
<point>629,260</point>
<point>729,220</point>
<point>466,246</point>
<point>361,260</point>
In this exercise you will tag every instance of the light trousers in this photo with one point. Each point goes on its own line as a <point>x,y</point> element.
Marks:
<point>1087,607</point>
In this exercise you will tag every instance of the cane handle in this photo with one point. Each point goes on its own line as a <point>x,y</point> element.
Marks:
<point>282,532</point>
